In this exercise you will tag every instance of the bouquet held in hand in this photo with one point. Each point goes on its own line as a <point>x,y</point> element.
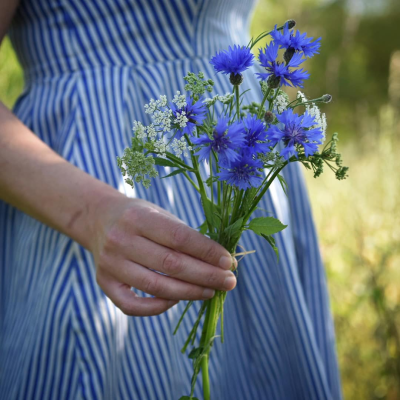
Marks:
<point>243,148</point>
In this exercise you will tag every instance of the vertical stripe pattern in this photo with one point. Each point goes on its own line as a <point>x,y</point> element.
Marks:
<point>89,68</point>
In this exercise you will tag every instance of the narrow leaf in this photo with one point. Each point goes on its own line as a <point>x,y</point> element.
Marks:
<point>234,228</point>
<point>266,226</point>
<point>271,241</point>
<point>283,183</point>
<point>164,162</point>
<point>176,172</point>
<point>183,314</point>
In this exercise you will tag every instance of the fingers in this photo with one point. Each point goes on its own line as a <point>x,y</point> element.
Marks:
<point>169,232</point>
<point>159,285</point>
<point>178,265</point>
<point>129,302</point>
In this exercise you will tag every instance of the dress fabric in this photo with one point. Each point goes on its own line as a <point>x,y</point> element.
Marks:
<point>89,67</point>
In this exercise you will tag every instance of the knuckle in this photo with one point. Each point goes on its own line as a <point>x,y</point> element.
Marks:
<point>112,240</point>
<point>172,264</point>
<point>151,285</point>
<point>213,279</point>
<point>179,235</point>
<point>211,253</point>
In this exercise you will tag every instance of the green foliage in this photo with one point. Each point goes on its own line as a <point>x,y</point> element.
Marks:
<point>11,77</point>
<point>266,226</point>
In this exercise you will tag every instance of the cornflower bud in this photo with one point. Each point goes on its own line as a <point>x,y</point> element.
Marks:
<point>235,79</point>
<point>274,81</point>
<point>288,54</point>
<point>269,117</point>
<point>326,98</point>
<point>291,23</point>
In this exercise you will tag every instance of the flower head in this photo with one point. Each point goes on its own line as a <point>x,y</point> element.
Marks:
<point>280,71</point>
<point>242,172</point>
<point>298,42</point>
<point>297,131</point>
<point>255,135</point>
<point>188,116</point>
<point>233,61</point>
<point>226,139</point>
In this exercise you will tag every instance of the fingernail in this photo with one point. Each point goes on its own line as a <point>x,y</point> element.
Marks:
<point>225,262</point>
<point>208,293</point>
<point>230,282</point>
<point>172,303</point>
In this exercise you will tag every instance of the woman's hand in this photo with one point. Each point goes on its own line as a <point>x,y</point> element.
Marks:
<point>134,237</point>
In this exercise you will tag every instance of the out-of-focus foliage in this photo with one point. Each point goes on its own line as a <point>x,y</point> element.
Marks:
<point>11,80</point>
<point>359,219</point>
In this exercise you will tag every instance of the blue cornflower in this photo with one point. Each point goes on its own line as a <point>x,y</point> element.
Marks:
<point>296,42</point>
<point>235,60</point>
<point>296,131</point>
<point>194,112</point>
<point>280,71</point>
<point>242,172</point>
<point>226,139</point>
<point>255,135</point>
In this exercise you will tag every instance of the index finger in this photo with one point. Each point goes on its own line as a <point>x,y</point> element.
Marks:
<point>178,236</point>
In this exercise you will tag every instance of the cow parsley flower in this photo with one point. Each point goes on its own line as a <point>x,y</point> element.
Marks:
<point>195,113</point>
<point>180,146</point>
<point>281,102</point>
<point>255,135</point>
<point>279,72</point>
<point>297,131</point>
<point>179,99</point>
<point>139,129</point>
<point>296,42</point>
<point>242,172</point>
<point>314,111</point>
<point>226,139</point>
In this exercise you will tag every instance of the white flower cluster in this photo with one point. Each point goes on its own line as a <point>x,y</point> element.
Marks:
<point>180,146</point>
<point>163,119</point>
<point>281,102</point>
<point>139,130</point>
<point>224,99</point>
<point>161,148</point>
<point>181,119</point>
<point>315,112</point>
<point>179,99</point>
<point>155,104</point>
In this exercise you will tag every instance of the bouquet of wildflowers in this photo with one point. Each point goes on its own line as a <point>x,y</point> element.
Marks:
<point>246,147</point>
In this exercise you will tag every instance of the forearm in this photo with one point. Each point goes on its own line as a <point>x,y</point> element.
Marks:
<point>39,182</point>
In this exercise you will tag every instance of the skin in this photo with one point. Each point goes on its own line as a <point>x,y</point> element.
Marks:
<point>129,238</point>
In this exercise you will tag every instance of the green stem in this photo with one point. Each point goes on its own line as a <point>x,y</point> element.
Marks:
<point>258,198</point>
<point>271,103</point>
<point>261,109</point>
<point>210,329</point>
<point>237,101</point>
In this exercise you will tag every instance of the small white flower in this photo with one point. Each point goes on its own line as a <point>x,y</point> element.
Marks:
<point>281,103</point>
<point>179,99</point>
<point>315,112</point>
<point>180,146</point>
<point>161,148</point>
<point>139,129</point>
<point>227,98</point>
<point>181,119</point>
<point>151,131</point>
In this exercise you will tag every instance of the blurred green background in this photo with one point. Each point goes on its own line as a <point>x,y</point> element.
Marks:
<point>358,219</point>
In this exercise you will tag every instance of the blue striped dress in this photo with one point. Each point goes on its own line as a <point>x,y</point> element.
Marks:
<point>90,66</point>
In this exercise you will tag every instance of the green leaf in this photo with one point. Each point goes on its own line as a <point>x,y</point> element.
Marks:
<point>266,226</point>
<point>233,229</point>
<point>211,212</point>
<point>271,241</point>
<point>203,228</point>
<point>164,162</point>
<point>188,305</point>
<point>196,351</point>
<point>176,172</point>
<point>283,183</point>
